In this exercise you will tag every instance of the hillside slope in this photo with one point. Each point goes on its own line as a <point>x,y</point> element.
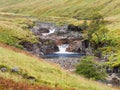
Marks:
<point>15,29</point>
<point>63,8</point>
<point>35,71</point>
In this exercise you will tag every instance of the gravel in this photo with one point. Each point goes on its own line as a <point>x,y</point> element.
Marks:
<point>66,63</point>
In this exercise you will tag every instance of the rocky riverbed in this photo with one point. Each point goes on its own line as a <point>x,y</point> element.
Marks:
<point>65,62</point>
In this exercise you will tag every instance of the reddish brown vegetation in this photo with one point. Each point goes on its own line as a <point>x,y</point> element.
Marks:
<point>6,84</point>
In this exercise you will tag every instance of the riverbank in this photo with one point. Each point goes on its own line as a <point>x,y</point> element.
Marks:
<point>67,63</point>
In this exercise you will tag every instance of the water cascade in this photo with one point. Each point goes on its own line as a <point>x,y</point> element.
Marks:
<point>62,49</point>
<point>51,31</point>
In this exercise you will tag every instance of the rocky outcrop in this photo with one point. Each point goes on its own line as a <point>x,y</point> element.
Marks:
<point>32,48</point>
<point>48,46</point>
<point>72,27</point>
<point>62,40</point>
<point>49,43</point>
<point>75,46</point>
<point>39,30</point>
<point>43,47</point>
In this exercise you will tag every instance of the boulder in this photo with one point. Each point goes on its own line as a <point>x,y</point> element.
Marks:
<point>62,40</point>
<point>3,69</point>
<point>40,30</point>
<point>75,46</point>
<point>115,79</point>
<point>15,69</point>
<point>72,27</point>
<point>43,30</point>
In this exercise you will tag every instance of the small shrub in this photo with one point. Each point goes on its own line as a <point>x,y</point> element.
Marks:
<point>90,69</point>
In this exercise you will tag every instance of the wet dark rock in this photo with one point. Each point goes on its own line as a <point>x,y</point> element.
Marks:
<point>116,69</point>
<point>72,27</point>
<point>48,46</point>
<point>27,45</point>
<point>39,31</point>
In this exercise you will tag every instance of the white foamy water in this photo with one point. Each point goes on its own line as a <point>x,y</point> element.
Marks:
<point>50,32</point>
<point>62,49</point>
<point>62,53</point>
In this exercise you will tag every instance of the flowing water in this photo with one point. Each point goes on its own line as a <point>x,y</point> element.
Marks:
<point>51,31</point>
<point>62,49</point>
<point>65,59</point>
<point>63,53</point>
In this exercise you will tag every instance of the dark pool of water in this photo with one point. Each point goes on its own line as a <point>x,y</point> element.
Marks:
<point>58,55</point>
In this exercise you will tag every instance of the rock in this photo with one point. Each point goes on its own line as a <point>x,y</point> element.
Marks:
<point>62,40</point>
<point>27,45</point>
<point>32,78</point>
<point>114,76</point>
<point>110,85</point>
<point>3,69</point>
<point>72,70</point>
<point>39,30</point>
<point>66,63</point>
<point>15,69</point>
<point>88,51</point>
<point>49,44</point>
<point>43,30</point>
<point>115,79</point>
<point>75,46</point>
<point>72,27</point>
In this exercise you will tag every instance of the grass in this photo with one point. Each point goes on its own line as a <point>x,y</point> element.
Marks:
<point>45,74</point>
<point>66,11</point>
<point>14,29</point>
<point>62,8</point>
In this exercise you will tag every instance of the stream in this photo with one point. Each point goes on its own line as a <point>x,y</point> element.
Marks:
<point>57,44</point>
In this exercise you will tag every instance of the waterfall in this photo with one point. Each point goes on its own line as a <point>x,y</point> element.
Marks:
<point>63,53</point>
<point>62,49</point>
<point>52,30</point>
